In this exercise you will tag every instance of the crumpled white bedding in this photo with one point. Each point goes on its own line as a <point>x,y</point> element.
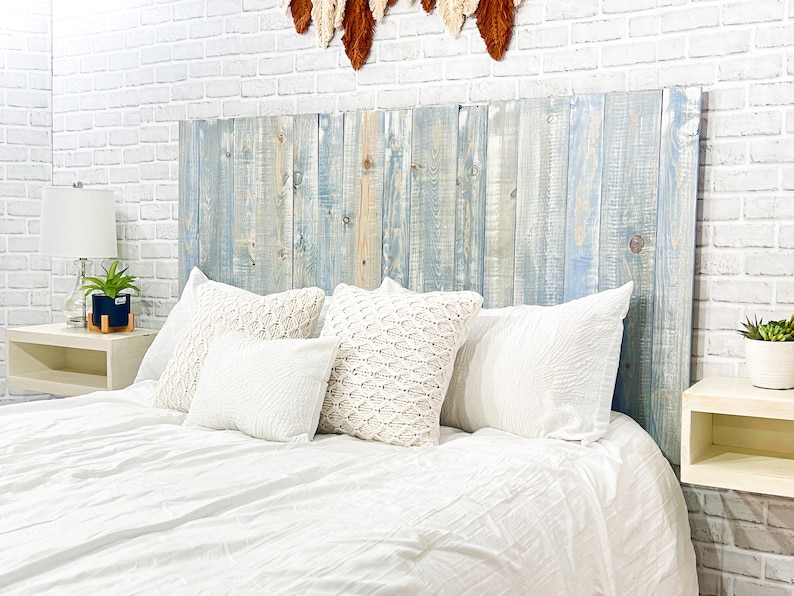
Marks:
<point>103,494</point>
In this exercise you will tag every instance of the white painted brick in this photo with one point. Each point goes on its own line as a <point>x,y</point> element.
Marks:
<point>745,179</point>
<point>740,13</point>
<point>745,123</point>
<point>598,30</point>
<point>625,54</point>
<point>774,151</point>
<point>769,207</point>
<point>690,18</point>
<point>572,59</point>
<point>276,65</point>
<point>755,235</point>
<point>719,44</point>
<point>426,71</point>
<point>591,82</point>
<point>765,67</point>
<point>741,291</point>
<point>690,74</point>
<point>711,262</point>
<point>725,153</point>
<point>433,95</point>
<point>771,94</point>
<point>538,37</point>
<point>571,9</point>
<point>762,538</point>
<point>746,587</point>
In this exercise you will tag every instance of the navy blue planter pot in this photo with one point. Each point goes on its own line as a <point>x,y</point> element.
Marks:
<point>117,309</point>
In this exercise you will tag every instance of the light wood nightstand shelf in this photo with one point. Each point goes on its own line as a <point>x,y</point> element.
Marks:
<point>71,361</point>
<point>738,436</point>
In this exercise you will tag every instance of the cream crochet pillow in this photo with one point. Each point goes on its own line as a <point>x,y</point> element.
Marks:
<point>394,363</point>
<point>291,314</point>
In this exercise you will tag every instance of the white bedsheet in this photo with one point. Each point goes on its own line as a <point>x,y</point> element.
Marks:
<point>103,494</point>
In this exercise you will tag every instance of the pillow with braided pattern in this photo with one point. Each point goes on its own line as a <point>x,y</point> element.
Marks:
<point>394,363</point>
<point>291,314</point>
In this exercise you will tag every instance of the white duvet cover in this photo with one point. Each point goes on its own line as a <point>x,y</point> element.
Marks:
<point>103,494</point>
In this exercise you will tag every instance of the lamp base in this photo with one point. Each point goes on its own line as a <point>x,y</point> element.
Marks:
<point>75,307</point>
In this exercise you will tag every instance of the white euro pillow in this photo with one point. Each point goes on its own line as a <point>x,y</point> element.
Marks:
<point>267,389</point>
<point>541,371</point>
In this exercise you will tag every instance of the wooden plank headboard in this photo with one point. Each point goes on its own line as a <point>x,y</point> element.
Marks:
<point>534,201</point>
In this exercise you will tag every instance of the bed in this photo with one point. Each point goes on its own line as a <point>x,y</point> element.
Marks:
<point>139,491</point>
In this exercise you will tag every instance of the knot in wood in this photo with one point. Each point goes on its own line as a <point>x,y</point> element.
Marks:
<point>636,244</point>
<point>282,254</point>
<point>367,163</point>
<point>474,170</point>
<point>228,154</point>
<point>281,137</point>
<point>550,119</point>
<point>297,178</point>
<point>345,220</point>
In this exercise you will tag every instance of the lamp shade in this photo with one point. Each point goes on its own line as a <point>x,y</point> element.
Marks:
<point>78,223</point>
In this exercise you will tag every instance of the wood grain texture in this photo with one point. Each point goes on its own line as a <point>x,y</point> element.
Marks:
<point>330,181</point>
<point>246,137</point>
<point>306,216</point>
<point>189,182</point>
<point>397,127</point>
<point>535,201</point>
<point>470,198</point>
<point>434,160</point>
<point>584,196</point>
<point>628,231</point>
<point>541,201</point>
<point>500,204</point>
<point>273,251</point>
<point>362,214</point>
<point>675,264</point>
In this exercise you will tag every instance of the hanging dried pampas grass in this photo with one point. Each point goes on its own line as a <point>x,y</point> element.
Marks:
<point>495,22</point>
<point>323,12</point>
<point>378,8</point>
<point>301,14</point>
<point>359,26</point>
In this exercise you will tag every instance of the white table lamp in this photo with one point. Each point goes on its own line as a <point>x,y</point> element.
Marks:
<point>78,223</point>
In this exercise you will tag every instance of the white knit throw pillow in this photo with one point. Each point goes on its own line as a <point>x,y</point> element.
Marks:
<point>394,362</point>
<point>291,314</point>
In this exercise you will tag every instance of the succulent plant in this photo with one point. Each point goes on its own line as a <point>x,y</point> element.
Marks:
<point>112,283</point>
<point>782,330</point>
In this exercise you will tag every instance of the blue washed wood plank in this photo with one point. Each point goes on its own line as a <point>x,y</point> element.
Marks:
<point>675,264</point>
<point>359,261</point>
<point>470,198</point>
<point>397,127</point>
<point>434,157</point>
<point>189,184</point>
<point>305,203</point>
<point>500,204</point>
<point>632,127</point>
<point>273,251</point>
<point>330,181</point>
<point>541,200</point>
<point>585,147</point>
<point>245,199</point>
<point>209,145</point>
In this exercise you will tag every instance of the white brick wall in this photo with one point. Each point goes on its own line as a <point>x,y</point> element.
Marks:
<point>25,166</point>
<point>123,77</point>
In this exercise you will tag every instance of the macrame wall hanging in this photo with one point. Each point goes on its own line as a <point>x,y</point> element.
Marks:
<point>358,17</point>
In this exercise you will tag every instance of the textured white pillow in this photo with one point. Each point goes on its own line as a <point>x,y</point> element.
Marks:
<point>541,371</point>
<point>168,338</point>
<point>394,363</point>
<point>291,314</point>
<point>270,390</point>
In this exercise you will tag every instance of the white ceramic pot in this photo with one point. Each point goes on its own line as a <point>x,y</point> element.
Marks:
<point>770,364</point>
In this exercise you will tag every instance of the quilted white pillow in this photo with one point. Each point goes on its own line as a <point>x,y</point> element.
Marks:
<point>541,371</point>
<point>270,390</point>
<point>395,360</point>
<point>291,314</point>
<point>168,338</point>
